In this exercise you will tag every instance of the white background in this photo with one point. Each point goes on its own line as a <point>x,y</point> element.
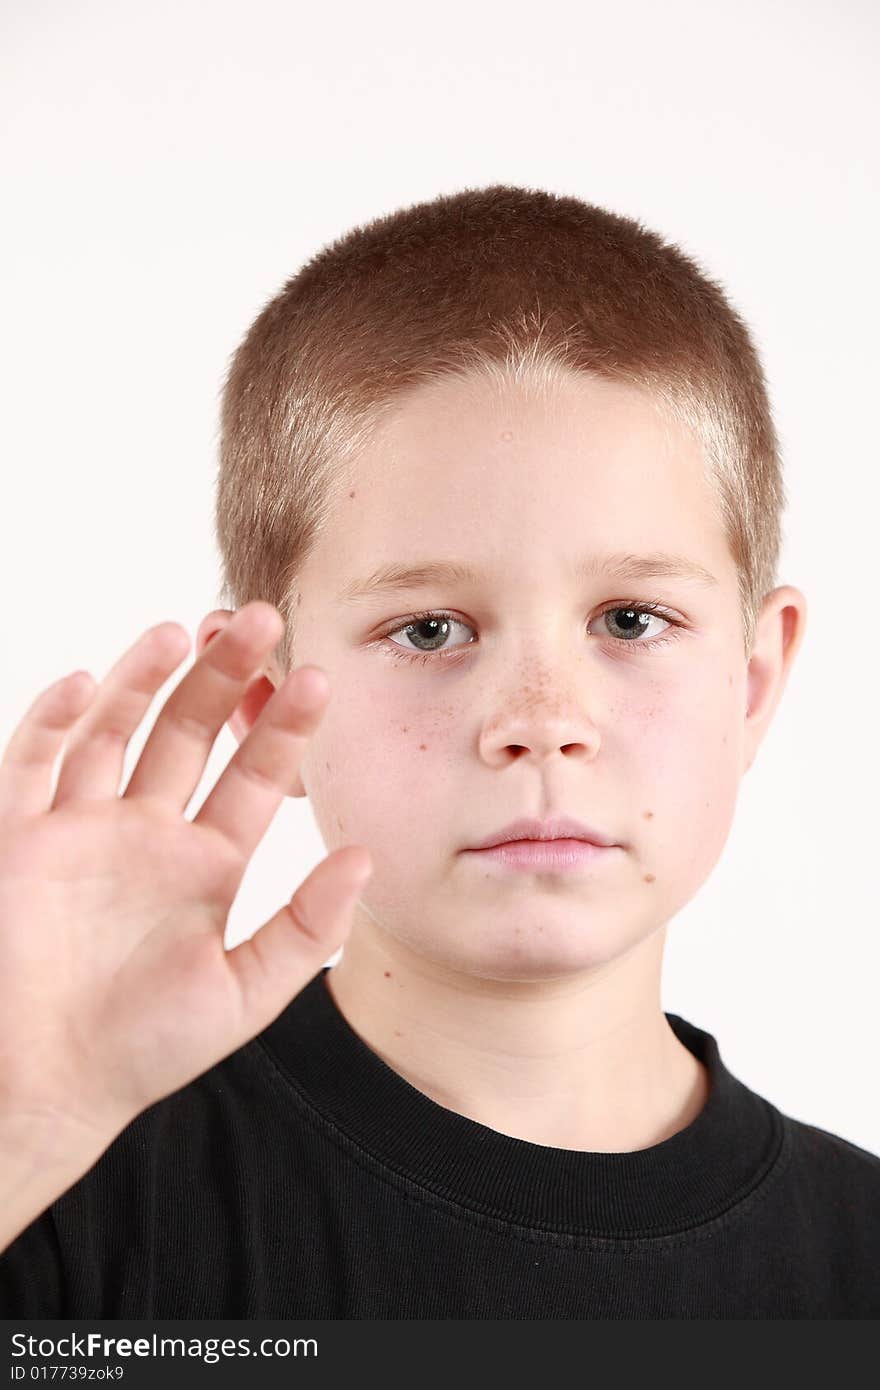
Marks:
<point>166,167</point>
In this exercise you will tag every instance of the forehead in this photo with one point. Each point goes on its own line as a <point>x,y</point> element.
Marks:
<point>507,478</point>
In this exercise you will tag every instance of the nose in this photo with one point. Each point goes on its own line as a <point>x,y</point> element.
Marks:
<point>539,723</point>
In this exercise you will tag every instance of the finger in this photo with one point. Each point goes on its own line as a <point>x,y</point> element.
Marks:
<point>273,965</point>
<point>256,780</point>
<point>29,757</point>
<point>174,756</point>
<point>94,758</point>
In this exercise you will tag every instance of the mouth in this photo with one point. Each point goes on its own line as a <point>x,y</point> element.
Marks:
<point>553,828</point>
<point>548,856</point>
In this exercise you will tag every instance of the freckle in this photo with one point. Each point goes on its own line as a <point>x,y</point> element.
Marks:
<point>351,494</point>
<point>405,729</point>
<point>648,815</point>
<point>339,823</point>
<point>387,974</point>
<point>423,746</point>
<point>649,878</point>
<point>327,766</point>
<point>397,1033</point>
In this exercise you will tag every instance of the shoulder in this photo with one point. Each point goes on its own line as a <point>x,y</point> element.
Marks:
<point>834,1147</point>
<point>826,1160</point>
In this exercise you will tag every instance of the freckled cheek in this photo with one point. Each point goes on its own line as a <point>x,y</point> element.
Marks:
<point>365,762</point>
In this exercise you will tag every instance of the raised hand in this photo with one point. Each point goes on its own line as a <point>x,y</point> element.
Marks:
<point>115,986</point>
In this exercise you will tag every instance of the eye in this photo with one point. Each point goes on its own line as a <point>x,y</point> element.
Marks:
<point>431,630</point>
<point>635,618</point>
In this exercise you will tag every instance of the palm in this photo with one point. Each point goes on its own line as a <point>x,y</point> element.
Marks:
<point>115,985</point>
<point>116,969</point>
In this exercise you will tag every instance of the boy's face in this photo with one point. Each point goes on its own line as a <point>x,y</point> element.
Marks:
<point>554,702</point>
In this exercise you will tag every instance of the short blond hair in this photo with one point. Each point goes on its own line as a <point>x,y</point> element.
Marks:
<point>497,284</point>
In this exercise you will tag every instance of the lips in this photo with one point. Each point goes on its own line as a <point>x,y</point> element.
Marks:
<point>554,828</point>
<point>544,857</point>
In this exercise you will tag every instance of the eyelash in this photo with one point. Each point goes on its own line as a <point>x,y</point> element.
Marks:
<point>656,610</point>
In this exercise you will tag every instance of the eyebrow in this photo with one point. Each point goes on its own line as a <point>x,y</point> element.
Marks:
<point>392,578</point>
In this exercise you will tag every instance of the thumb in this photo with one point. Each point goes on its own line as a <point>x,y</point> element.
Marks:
<point>284,954</point>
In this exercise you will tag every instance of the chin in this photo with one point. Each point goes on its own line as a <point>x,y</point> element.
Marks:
<point>529,957</point>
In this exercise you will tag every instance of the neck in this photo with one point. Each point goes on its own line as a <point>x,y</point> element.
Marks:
<point>587,1061</point>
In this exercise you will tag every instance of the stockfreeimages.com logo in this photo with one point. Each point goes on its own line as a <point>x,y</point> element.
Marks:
<point>95,1346</point>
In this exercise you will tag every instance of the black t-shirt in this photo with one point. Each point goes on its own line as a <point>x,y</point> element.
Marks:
<point>302,1177</point>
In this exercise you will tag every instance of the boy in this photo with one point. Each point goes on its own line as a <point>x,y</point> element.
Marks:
<point>499,503</point>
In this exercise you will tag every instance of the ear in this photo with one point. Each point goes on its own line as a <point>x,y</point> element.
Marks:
<point>260,690</point>
<point>778,636</point>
